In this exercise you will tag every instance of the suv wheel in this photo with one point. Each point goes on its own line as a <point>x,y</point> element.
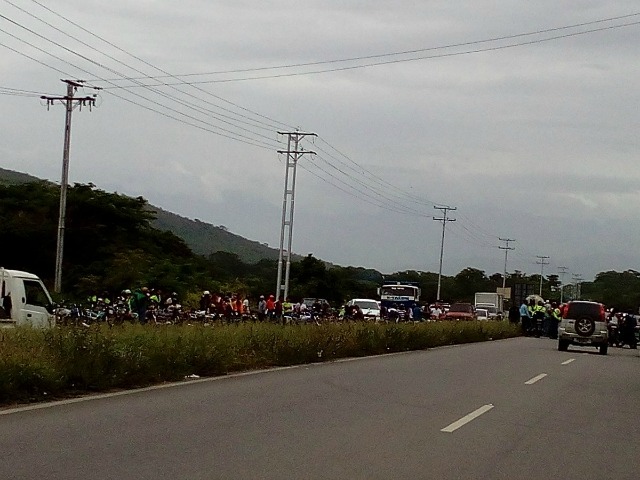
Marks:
<point>585,326</point>
<point>563,345</point>
<point>603,348</point>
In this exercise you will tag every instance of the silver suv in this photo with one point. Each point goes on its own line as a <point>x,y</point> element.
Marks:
<point>583,323</point>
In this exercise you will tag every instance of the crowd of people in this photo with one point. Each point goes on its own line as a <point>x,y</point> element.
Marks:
<point>538,318</point>
<point>542,319</point>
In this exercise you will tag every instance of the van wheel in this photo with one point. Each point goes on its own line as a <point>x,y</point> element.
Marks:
<point>603,348</point>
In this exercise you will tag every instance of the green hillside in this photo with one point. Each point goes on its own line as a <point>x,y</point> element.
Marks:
<point>205,239</point>
<point>9,177</point>
<point>202,238</point>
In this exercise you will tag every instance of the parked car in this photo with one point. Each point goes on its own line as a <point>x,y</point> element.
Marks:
<point>461,311</point>
<point>370,308</point>
<point>482,314</point>
<point>583,323</point>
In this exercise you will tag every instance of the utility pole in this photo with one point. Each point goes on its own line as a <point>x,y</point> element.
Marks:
<point>576,280</point>
<point>506,249</point>
<point>562,270</point>
<point>288,202</point>
<point>445,210</point>
<point>542,262</point>
<point>70,101</point>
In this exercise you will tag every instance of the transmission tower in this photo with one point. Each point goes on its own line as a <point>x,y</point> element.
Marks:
<point>288,203</point>
<point>70,102</point>
<point>445,210</point>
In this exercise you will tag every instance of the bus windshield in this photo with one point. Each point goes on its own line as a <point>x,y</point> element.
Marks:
<point>398,291</point>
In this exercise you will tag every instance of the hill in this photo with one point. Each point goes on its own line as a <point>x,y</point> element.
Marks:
<point>205,239</point>
<point>9,177</point>
<point>202,238</point>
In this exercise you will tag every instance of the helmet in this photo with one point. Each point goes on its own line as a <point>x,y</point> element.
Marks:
<point>127,292</point>
<point>206,292</point>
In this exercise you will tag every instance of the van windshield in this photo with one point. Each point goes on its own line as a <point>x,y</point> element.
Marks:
<point>35,294</point>
<point>367,305</point>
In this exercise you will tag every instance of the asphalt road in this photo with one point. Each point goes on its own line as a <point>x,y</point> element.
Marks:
<point>498,410</point>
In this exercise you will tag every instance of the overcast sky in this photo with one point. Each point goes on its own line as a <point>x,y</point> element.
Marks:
<point>532,136</point>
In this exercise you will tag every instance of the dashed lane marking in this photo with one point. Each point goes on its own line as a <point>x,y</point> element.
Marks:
<point>567,362</point>
<point>535,379</point>
<point>467,418</point>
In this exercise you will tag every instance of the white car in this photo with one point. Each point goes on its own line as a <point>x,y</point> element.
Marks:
<point>583,323</point>
<point>370,308</point>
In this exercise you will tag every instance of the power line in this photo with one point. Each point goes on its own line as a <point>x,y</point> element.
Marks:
<point>208,126</point>
<point>273,125</point>
<point>196,107</point>
<point>409,52</point>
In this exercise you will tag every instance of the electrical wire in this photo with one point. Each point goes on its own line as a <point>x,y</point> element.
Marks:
<point>407,52</point>
<point>207,126</point>
<point>273,124</point>
<point>193,106</point>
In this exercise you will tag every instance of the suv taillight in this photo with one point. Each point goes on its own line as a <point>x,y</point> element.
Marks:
<point>603,314</point>
<point>565,311</point>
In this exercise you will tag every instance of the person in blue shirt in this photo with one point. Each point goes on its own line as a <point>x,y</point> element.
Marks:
<point>525,317</point>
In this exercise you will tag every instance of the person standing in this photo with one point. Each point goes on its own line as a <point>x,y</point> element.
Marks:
<point>262,309</point>
<point>514,314</point>
<point>417,312</point>
<point>141,302</point>
<point>525,317</point>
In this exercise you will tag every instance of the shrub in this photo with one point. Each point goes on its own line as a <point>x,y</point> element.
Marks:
<point>37,364</point>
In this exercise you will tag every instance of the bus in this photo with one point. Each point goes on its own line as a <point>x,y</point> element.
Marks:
<point>399,293</point>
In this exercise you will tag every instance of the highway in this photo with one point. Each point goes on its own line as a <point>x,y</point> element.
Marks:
<point>508,409</point>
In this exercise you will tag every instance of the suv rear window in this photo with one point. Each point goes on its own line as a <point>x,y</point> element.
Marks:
<point>584,309</point>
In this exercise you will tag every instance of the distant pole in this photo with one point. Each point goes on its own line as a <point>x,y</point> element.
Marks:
<point>577,279</point>
<point>506,249</point>
<point>445,210</point>
<point>542,262</point>
<point>288,203</point>
<point>562,270</point>
<point>70,101</point>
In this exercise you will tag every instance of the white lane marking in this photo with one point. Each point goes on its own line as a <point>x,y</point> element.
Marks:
<point>467,418</point>
<point>535,379</point>
<point>567,362</point>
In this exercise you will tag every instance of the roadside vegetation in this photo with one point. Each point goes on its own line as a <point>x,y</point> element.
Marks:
<point>36,365</point>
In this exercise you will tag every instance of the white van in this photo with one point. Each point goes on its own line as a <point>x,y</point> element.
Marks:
<point>24,300</point>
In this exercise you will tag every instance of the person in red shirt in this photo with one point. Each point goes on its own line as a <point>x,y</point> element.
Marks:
<point>271,307</point>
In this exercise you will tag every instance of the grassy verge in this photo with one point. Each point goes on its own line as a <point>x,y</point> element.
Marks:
<point>39,364</point>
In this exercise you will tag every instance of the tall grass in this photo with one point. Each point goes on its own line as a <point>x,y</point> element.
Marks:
<point>38,364</point>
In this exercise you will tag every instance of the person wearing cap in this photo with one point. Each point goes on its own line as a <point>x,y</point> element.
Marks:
<point>205,301</point>
<point>140,303</point>
<point>262,309</point>
<point>271,307</point>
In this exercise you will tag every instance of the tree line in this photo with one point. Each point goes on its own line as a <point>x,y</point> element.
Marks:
<point>110,245</point>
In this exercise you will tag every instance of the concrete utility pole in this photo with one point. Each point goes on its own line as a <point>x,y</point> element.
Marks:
<point>70,101</point>
<point>445,210</point>
<point>576,280</point>
<point>562,270</point>
<point>506,252</point>
<point>293,154</point>
<point>542,262</point>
